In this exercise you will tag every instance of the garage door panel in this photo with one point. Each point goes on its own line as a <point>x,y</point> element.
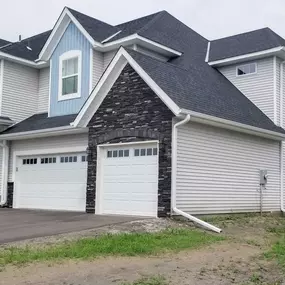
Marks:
<point>52,186</point>
<point>48,204</point>
<point>129,184</point>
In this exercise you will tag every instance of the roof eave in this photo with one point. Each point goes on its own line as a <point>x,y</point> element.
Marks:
<point>65,130</point>
<point>277,51</point>
<point>232,125</point>
<point>142,41</point>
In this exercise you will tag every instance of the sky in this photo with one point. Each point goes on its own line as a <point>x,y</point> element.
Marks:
<point>211,18</point>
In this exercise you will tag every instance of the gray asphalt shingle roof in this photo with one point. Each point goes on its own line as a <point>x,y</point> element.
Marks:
<point>98,30</point>
<point>190,82</point>
<point>3,42</point>
<point>204,90</point>
<point>40,122</point>
<point>20,49</point>
<point>245,43</point>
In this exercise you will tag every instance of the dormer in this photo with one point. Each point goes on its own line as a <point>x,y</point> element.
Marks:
<point>79,49</point>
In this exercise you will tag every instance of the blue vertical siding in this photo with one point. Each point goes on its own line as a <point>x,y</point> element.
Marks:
<point>72,39</point>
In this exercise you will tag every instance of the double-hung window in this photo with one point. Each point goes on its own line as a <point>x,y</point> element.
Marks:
<point>70,75</point>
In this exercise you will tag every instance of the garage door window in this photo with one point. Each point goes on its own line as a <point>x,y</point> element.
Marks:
<point>118,153</point>
<point>30,161</point>
<point>145,151</point>
<point>68,159</point>
<point>48,160</point>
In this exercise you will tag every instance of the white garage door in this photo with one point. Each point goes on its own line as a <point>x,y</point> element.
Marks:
<point>128,180</point>
<point>54,182</point>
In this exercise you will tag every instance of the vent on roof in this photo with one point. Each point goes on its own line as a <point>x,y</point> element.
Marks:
<point>20,38</point>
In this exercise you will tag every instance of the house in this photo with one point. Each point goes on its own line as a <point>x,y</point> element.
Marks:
<point>144,118</point>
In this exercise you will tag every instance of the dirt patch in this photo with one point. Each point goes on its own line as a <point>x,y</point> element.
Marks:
<point>238,260</point>
<point>220,264</point>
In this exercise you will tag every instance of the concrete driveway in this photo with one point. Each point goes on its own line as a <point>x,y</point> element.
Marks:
<point>16,225</point>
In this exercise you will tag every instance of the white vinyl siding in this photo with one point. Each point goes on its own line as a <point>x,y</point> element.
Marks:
<point>43,99</point>
<point>258,87</point>
<point>20,91</point>
<point>108,56</point>
<point>218,171</point>
<point>98,67</point>
<point>45,143</point>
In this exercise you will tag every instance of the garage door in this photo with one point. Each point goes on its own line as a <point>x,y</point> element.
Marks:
<point>54,182</point>
<point>129,180</point>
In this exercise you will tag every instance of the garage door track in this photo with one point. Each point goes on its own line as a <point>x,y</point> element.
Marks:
<point>19,225</point>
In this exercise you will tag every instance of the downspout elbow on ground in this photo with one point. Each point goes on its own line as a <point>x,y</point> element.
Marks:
<point>173,180</point>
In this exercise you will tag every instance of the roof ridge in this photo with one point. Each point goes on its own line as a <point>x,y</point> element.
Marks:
<point>29,38</point>
<point>139,18</point>
<point>153,20</point>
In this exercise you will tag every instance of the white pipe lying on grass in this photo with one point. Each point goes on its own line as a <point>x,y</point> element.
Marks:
<point>173,180</point>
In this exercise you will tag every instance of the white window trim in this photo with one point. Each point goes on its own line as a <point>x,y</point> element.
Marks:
<point>248,74</point>
<point>69,55</point>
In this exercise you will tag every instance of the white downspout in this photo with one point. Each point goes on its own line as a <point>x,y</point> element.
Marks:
<point>5,160</point>
<point>281,143</point>
<point>174,176</point>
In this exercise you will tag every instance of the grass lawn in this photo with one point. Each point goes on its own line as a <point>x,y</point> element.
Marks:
<point>278,249</point>
<point>106,245</point>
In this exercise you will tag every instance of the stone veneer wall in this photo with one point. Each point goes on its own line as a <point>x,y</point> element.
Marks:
<point>132,112</point>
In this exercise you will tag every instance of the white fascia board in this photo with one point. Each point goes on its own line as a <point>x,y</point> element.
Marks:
<point>21,60</point>
<point>66,130</point>
<point>59,29</point>
<point>231,125</point>
<point>108,79</point>
<point>248,56</point>
<point>133,39</point>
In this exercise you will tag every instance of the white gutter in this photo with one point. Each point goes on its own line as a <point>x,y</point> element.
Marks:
<point>281,143</point>
<point>66,130</point>
<point>231,125</point>
<point>4,182</point>
<point>249,56</point>
<point>174,177</point>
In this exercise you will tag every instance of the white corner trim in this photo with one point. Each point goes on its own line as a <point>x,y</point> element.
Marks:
<point>49,90</point>
<point>114,69</point>
<point>246,56</point>
<point>65,56</point>
<point>1,83</point>
<point>208,51</point>
<point>231,125</point>
<point>275,89</point>
<point>91,71</point>
<point>109,38</point>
